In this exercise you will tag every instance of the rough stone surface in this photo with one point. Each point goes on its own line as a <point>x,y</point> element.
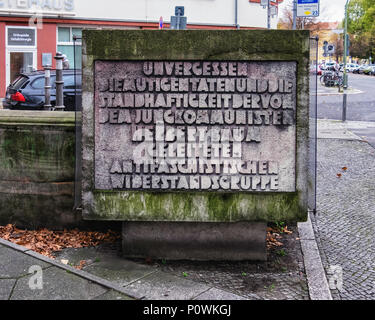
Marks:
<point>112,295</point>
<point>242,280</point>
<point>37,169</point>
<point>318,286</point>
<point>345,222</point>
<point>58,284</point>
<point>14,264</point>
<point>316,277</point>
<point>164,286</point>
<point>6,287</point>
<point>281,277</point>
<point>217,294</point>
<point>122,272</point>
<point>195,241</point>
<point>58,281</point>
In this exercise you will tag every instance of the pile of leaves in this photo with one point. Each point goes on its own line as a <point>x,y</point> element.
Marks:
<point>46,242</point>
<point>274,236</point>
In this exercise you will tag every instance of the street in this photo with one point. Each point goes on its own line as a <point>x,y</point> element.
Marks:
<point>360,105</point>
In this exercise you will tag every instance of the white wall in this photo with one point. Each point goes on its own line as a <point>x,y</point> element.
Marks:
<point>216,12</point>
<point>210,12</point>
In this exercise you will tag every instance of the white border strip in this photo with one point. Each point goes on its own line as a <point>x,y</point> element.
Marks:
<point>316,277</point>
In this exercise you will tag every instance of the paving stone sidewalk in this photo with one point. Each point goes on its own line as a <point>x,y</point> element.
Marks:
<point>19,279</point>
<point>280,278</point>
<point>345,222</point>
<point>107,275</point>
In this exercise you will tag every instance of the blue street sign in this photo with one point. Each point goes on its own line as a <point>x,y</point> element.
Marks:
<point>307,8</point>
<point>307,1</point>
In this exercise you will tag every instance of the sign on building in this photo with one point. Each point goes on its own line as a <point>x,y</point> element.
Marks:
<point>37,6</point>
<point>21,37</point>
<point>307,8</point>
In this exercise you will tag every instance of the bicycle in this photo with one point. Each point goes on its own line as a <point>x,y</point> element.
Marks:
<point>332,78</point>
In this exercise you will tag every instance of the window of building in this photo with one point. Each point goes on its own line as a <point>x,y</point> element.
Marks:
<point>65,45</point>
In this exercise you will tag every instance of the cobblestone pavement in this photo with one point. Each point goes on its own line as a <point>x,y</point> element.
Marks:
<point>282,277</point>
<point>345,222</point>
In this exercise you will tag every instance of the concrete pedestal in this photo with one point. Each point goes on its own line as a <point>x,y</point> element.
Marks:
<point>195,240</point>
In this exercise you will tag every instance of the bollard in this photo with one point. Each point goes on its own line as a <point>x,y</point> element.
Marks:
<point>59,82</point>
<point>47,88</point>
<point>344,108</point>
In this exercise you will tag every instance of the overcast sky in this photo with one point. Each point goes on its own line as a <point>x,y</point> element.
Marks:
<point>330,10</point>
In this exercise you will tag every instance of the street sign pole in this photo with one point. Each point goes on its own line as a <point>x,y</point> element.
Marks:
<point>178,22</point>
<point>294,14</point>
<point>345,84</point>
<point>345,80</point>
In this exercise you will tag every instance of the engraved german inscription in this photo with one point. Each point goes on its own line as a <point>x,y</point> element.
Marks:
<point>195,126</point>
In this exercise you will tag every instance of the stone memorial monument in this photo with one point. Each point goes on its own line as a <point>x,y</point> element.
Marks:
<point>195,139</point>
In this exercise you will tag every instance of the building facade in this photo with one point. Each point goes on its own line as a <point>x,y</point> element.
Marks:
<point>32,31</point>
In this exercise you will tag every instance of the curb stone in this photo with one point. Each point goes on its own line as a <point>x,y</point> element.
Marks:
<point>337,93</point>
<point>316,277</point>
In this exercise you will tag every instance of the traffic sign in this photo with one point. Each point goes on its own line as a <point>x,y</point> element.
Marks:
<point>178,22</point>
<point>307,8</point>
<point>179,11</point>
<point>330,49</point>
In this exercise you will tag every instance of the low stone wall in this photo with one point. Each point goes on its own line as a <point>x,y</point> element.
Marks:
<point>37,160</point>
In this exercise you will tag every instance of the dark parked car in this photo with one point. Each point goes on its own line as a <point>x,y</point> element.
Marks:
<point>27,91</point>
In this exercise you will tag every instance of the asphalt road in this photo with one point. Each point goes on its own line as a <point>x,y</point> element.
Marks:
<point>360,104</point>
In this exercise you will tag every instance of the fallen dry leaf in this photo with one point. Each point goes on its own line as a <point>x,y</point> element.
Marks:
<point>82,263</point>
<point>46,241</point>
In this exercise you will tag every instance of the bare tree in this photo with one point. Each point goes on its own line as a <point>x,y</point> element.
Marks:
<point>338,42</point>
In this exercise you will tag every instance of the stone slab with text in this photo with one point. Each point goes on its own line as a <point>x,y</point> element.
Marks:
<point>215,126</point>
<point>195,125</point>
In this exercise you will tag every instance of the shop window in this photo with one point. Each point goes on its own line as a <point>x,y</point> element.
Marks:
<point>77,32</point>
<point>65,45</point>
<point>64,35</point>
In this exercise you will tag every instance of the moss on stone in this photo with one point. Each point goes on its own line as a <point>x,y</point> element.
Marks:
<point>39,154</point>
<point>202,206</point>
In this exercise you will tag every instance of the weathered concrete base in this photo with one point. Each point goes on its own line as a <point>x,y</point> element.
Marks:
<point>195,241</point>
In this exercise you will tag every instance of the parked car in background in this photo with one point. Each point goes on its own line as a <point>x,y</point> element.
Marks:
<point>351,67</point>
<point>369,70</point>
<point>27,91</point>
<point>329,65</point>
<point>360,69</point>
